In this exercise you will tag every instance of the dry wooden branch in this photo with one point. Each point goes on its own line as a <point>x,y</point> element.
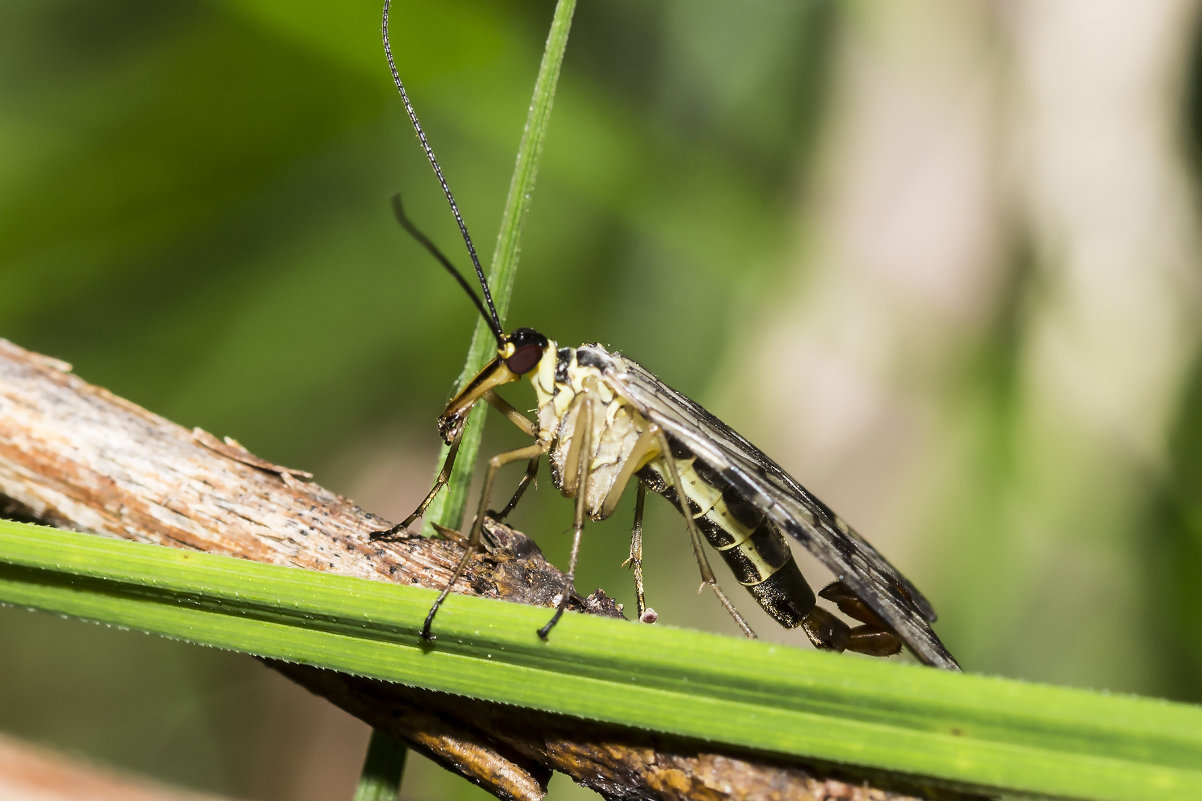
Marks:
<point>75,456</point>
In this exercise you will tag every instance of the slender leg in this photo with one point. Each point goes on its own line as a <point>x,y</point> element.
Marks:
<point>521,421</point>
<point>707,573</point>
<point>569,585</point>
<point>473,540</point>
<point>635,562</point>
<point>512,414</point>
<point>444,476</point>
<point>644,448</point>
<point>579,456</point>
<point>526,480</point>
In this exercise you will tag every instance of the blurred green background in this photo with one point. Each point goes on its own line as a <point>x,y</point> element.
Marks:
<point>938,259</point>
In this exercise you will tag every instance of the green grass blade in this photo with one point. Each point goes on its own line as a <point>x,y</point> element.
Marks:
<point>383,768</point>
<point>447,508</point>
<point>986,733</point>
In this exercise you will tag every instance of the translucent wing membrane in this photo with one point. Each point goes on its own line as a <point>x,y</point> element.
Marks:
<point>788,504</point>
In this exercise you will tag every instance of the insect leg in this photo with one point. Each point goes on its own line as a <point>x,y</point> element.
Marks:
<point>646,446</point>
<point>512,414</point>
<point>707,573</point>
<point>576,469</point>
<point>635,562</point>
<point>521,421</point>
<point>526,480</point>
<point>444,476</point>
<point>473,541</point>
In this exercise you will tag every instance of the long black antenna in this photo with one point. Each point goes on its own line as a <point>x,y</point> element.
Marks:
<point>425,242</point>
<point>493,320</point>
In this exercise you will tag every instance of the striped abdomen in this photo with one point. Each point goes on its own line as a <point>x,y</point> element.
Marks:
<point>747,540</point>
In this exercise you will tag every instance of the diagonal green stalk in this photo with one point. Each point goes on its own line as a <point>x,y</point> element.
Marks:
<point>385,762</point>
<point>380,779</point>
<point>447,508</point>
<point>980,733</point>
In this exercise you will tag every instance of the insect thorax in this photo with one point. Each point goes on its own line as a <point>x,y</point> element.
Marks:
<point>560,385</point>
<point>748,542</point>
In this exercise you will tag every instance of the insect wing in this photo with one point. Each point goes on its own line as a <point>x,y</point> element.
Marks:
<point>788,504</point>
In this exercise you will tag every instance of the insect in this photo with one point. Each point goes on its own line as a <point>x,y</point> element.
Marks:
<point>603,421</point>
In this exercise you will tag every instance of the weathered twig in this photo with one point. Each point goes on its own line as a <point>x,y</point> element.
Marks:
<point>76,456</point>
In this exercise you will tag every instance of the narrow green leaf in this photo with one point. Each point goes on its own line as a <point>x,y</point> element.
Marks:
<point>986,733</point>
<point>447,508</point>
<point>383,768</point>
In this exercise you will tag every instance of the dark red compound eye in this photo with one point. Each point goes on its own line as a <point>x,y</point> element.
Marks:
<point>524,359</point>
<point>528,349</point>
